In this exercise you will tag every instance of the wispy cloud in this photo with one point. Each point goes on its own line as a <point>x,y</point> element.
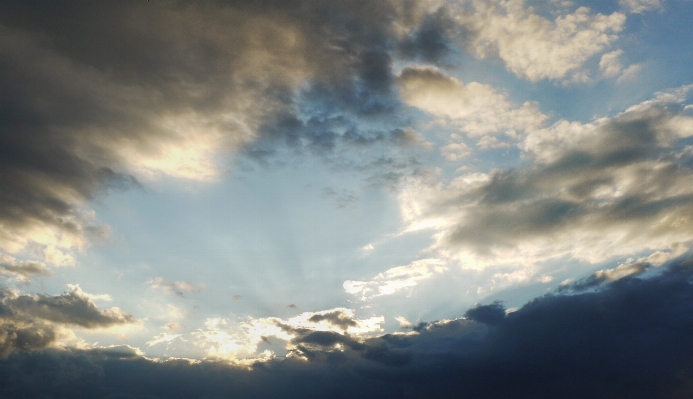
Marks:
<point>395,279</point>
<point>179,288</point>
<point>640,6</point>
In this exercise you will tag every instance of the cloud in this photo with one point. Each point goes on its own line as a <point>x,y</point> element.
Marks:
<point>395,279</point>
<point>492,314</point>
<point>179,89</point>
<point>640,6</point>
<point>455,151</point>
<point>610,64</point>
<point>614,187</point>
<point>629,74</point>
<point>431,40</point>
<point>22,271</point>
<point>477,109</point>
<point>163,338</point>
<point>179,288</point>
<point>30,322</point>
<point>534,47</point>
<point>629,337</point>
<point>631,267</point>
<point>343,199</point>
<point>239,343</point>
<point>72,307</point>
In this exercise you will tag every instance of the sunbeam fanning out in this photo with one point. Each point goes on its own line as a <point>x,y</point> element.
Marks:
<point>394,198</point>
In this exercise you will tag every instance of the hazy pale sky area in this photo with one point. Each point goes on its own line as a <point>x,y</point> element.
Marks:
<point>306,198</point>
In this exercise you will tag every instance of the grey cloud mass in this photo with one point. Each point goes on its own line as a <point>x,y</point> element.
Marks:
<point>99,96</point>
<point>596,190</point>
<point>72,307</point>
<point>22,270</point>
<point>628,338</point>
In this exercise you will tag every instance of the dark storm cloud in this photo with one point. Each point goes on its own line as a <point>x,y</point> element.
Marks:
<point>94,93</point>
<point>625,339</point>
<point>18,333</point>
<point>488,314</point>
<point>431,41</point>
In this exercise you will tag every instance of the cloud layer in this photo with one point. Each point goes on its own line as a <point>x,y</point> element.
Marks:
<point>628,337</point>
<point>37,321</point>
<point>594,191</point>
<point>103,96</point>
<point>534,47</point>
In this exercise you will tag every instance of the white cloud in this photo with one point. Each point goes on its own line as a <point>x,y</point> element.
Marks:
<point>500,280</point>
<point>640,6</point>
<point>179,288</point>
<point>534,47</point>
<point>455,151</point>
<point>487,142</point>
<point>93,297</point>
<point>592,192</point>
<point>239,342</point>
<point>395,279</point>
<point>189,146</point>
<point>163,338</point>
<point>545,279</point>
<point>22,270</point>
<point>629,74</point>
<point>403,322</point>
<point>610,63</point>
<point>477,109</point>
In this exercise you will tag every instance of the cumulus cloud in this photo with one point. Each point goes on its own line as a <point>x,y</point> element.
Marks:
<point>534,47</point>
<point>22,271</point>
<point>477,109</point>
<point>395,279</point>
<point>239,343</point>
<point>455,151</point>
<point>73,307</point>
<point>179,288</point>
<point>610,63</point>
<point>629,336</point>
<point>37,321</point>
<point>614,187</point>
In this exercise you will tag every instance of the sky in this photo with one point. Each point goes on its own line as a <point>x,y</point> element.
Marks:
<point>305,198</point>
